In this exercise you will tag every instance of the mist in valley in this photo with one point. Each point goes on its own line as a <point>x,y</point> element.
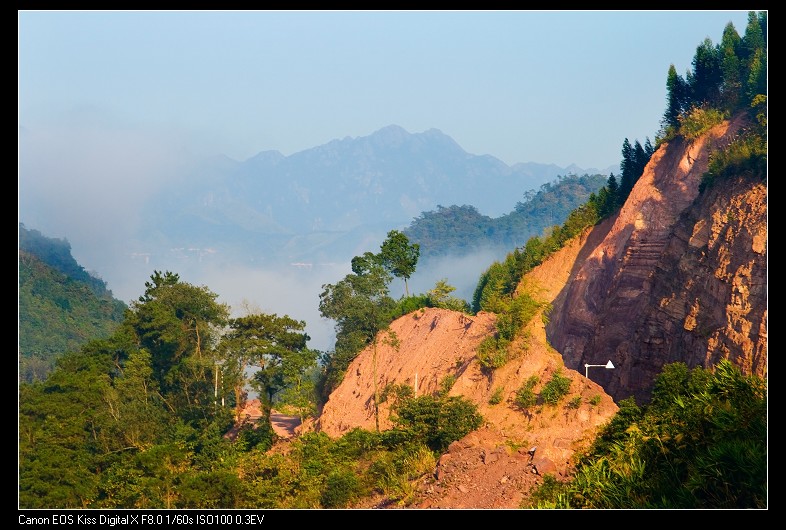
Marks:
<point>289,288</point>
<point>91,188</point>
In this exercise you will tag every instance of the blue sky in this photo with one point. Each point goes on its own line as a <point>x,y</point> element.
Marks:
<point>556,87</point>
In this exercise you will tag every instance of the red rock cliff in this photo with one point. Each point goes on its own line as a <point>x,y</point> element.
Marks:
<point>678,276</point>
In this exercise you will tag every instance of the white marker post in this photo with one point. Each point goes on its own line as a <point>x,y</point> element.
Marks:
<point>608,365</point>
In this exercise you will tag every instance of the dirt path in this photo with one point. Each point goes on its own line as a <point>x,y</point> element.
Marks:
<point>283,425</point>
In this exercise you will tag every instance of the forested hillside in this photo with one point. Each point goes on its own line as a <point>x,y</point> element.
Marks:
<point>460,230</point>
<point>61,306</point>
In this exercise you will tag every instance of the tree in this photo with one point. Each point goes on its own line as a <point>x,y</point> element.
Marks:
<point>641,158</point>
<point>440,296</point>
<point>649,149</point>
<point>707,74</point>
<point>277,346</point>
<point>361,306</point>
<point>730,48</point>
<point>399,257</point>
<point>755,35</point>
<point>436,421</point>
<point>607,201</point>
<point>299,372</point>
<point>628,169</point>
<point>757,79</point>
<point>179,324</point>
<point>675,99</point>
<point>634,159</point>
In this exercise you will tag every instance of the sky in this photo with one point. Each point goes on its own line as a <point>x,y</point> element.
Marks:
<point>113,104</point>
<point>558,87</point>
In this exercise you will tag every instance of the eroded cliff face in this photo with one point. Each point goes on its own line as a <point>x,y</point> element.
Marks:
<point>678,276</point>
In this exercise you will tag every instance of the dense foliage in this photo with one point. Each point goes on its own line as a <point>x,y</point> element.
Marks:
<point>700,443</point>
<point>137,419</point>
<point>61,306</point>
<point>461,230</point>
<point>726,79</point>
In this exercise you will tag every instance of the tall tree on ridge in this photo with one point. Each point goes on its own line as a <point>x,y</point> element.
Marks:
<point>399,257</point>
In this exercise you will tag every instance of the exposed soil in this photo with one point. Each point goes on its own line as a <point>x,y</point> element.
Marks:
<point>284,426</point>
<point>483,470</point>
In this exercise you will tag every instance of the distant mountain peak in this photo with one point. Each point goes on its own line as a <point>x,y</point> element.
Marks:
<point>271,156</point>
<point>389,135</point>
<point>391,129</point>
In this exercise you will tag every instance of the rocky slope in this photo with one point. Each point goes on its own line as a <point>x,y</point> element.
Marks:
<point>679,276</point>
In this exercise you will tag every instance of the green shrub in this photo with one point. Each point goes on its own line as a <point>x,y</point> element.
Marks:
<point>700,120</point>
<point>341,488</point>
<point>595,400</point>
<point>496,397</point>
<point>556,388</point>
<point>744,156</point>
<point>414,460</point>
<point>542,496</point>
<point>446,384</point>
<point>356,442</point>
<point>394,471</point>
<point>396,394</point>
<point>575,402</point>
<point>440,296</point>
<point>409,304</point>
<point>493,353</point>
<point>525,395</point>
<point>436,421</point>
<point>259,435</point>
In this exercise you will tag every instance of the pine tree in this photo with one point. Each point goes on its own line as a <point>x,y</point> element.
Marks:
<point>628,169</point>
<point>648,148</point>
<point>676,88</point>
<point>641,159</point>
<point>707,74</point>
<point>731,66</point>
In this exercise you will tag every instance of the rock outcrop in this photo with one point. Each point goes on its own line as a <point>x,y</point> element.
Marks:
<point>678,276</point>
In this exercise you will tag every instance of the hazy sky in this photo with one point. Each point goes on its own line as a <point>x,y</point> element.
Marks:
<point>114,103</point>
<point>525,86</point>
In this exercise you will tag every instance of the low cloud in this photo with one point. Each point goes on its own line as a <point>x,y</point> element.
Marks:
<point>85,178</point>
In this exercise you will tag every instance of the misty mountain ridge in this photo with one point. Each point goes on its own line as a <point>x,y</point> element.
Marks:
<point>327,202</point>
<point>61,305</point>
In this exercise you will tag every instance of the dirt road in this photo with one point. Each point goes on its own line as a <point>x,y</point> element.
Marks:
<point>283,425</point>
